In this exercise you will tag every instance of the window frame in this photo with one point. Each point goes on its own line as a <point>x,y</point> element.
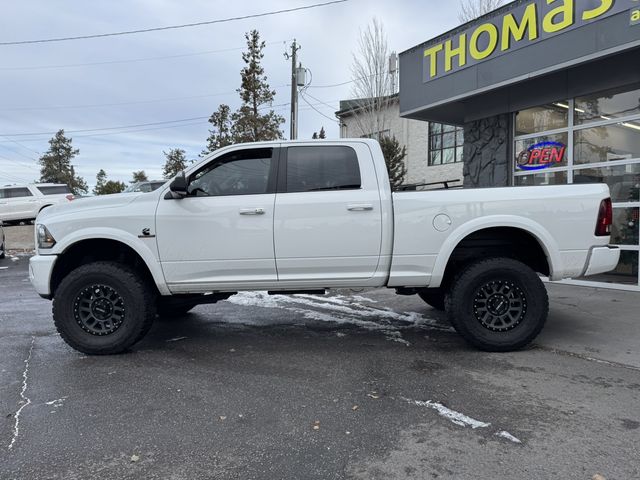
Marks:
<point>282,186</point>
<point>271,180</point>
<point>437,129</point>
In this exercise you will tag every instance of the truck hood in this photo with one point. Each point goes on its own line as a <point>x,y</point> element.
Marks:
<point>88,203</point>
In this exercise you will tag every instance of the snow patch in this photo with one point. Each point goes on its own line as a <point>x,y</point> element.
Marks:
<point>26,401</point>
<point>451,415</point>
<point>57,402</point>
<point>508,436</point>
<point>342,310</point>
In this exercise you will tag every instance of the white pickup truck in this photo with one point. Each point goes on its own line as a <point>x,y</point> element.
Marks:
<point>292,217</point>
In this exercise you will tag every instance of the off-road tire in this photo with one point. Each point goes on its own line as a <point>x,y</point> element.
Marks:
<point>497,304</point>
<point>137,302</point>
<point>433,297</point>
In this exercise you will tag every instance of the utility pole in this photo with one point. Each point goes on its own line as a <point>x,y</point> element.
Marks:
<point>293,56</point>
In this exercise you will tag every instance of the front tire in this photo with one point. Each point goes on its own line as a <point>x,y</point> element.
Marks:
<point>498,304</point>
<point>103,308</point>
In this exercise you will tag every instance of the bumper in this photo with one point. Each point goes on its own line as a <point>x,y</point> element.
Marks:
<point>602,259</point>
<point>40,269</point>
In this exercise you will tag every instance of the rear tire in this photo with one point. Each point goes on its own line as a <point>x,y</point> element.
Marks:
<point>433,297</point>
<point>498,304</point>
<point>103,308</point>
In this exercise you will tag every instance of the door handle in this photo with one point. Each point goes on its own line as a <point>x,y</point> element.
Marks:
<point>252,211</point>
<point>362,207</point>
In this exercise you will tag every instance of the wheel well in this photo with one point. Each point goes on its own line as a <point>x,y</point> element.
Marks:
<point>88,251</point>
<point>45,206</point>
<point>498,242</point>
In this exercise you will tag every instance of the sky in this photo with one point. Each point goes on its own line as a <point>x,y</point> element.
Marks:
<point>92,87</point>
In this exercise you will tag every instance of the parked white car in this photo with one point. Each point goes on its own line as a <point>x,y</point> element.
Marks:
<point>306,216</point>
<point>24,202</point>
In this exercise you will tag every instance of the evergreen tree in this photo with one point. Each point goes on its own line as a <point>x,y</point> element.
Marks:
<point>220,135</point>
<point>394,156</point>
<point>56,164</point>
<point>106,187</point>
<point>175,162</point>
<point>249,125</point>
<point>139,176</point>
<point>320,135</point>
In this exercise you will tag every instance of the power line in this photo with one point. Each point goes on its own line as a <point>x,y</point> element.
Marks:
<point>173,27</point>
<point>31,134</point>
<point>314,108</point>
<point>132,60</point>
<point>120,104</point>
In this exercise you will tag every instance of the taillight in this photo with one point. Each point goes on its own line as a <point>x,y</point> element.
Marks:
<point>605,218</point>
<point>70,197</point>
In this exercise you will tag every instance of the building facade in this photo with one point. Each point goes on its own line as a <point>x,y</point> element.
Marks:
<point>434,151</point>
<point>547,92</point>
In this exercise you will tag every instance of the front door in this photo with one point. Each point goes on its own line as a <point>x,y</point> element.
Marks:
<point>221,234</point>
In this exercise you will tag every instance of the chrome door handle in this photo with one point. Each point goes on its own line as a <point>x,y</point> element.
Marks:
<point>363,207</point>
<point>252,211</point>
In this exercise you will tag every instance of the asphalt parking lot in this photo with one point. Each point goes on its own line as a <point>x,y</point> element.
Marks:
<point>363,385</point>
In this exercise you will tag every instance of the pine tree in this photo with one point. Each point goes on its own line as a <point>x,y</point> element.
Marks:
<point>220,135</point>
<point>139,176</point>
<point>106,187</point>
<point>249,125</point>
<point>175,162</point>
<point>394,156</point>
<point>56,164</point>
<point>320,135</point>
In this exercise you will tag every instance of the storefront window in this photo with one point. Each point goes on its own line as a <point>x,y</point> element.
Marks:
<point>607,105</point>
<point>600,145</point>
<point>546,178</point>
<point>608,143</point>
<point>541,119</point>
<point>445,144</point>
<point>623,180</point>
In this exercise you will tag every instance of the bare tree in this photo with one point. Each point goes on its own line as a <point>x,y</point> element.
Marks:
<point>472,9</point>
<point>371,81</point>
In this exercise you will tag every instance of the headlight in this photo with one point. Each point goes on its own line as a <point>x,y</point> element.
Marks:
<point>45,239</point>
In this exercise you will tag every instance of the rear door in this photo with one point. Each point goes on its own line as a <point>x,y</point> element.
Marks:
<point>21,203</point>
<point>328,219</point>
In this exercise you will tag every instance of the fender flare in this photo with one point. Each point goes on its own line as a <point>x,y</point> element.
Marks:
<point>543,237</point>
<point>137,245</point>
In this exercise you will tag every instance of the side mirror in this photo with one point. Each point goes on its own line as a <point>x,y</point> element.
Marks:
<point>178,187</point>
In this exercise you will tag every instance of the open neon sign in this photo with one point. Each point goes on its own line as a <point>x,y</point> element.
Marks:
<point>541,155</point>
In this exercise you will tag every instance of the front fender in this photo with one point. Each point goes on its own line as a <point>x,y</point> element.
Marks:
<point>542,235</point>
<point>145,247</point>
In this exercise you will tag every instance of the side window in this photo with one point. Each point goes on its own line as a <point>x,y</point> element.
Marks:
<point>244,172</point>
<point>18,192</point>
<point>3,193</point>
<point>322,168</point>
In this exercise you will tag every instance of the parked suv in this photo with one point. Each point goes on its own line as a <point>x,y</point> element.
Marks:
<point>24,202</point>
<point>3,248</point>
<point>146,186</point>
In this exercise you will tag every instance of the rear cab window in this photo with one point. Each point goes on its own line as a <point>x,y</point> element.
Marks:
<point>321,168</point>
<point>54,190</point>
